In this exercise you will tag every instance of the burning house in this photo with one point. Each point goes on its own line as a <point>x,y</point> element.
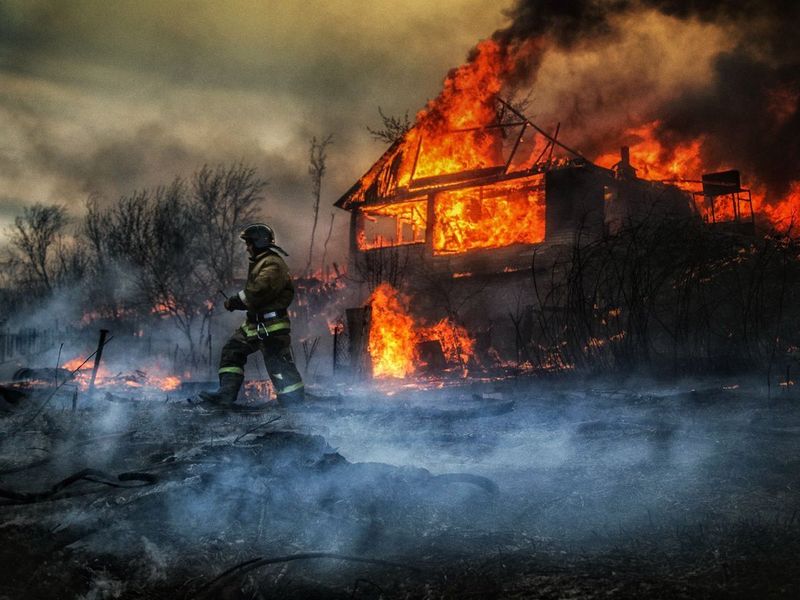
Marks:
<point>514,187</point>
<point>461,212</point>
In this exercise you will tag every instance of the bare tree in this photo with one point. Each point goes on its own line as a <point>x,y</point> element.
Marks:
<point>394,128</point>
<point>34,235</point>
<point>316,170</point>
<point>325,245</point>
<point>226,200</point>
<point>516,104</point>
<point>671,294</point>
<point>173,272</point>
<point>165,250</point>
<point>151,237</point>
<point>71,263</point>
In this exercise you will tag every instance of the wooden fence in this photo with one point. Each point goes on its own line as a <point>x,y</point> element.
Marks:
<point>27,342</point>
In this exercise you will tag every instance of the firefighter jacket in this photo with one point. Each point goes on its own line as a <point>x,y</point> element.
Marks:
<point>269,286</point>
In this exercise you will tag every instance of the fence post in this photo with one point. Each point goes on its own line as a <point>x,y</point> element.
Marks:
<point>335,346</point>
<point>98,355</point>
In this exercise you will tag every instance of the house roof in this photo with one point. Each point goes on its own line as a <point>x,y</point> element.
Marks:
<point>393,175</point>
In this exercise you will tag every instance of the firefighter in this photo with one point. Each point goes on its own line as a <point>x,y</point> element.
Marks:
<point>266,296</point>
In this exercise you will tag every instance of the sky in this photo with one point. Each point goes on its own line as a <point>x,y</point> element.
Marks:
<point>102,98</point>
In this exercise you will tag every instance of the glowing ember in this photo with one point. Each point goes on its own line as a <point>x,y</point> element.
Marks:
<point>155,379</point>
<point>335,327</point>
<point>164,307</point>
<point>169,383</point>
<point>259,390</point>
<point>75,363</point>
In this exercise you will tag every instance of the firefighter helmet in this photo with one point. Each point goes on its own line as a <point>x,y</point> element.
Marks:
<point>260,235</point>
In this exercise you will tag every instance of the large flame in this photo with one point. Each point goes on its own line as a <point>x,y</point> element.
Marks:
<point>394,336</point>
<point>461,130</point>
<point>489,217</point>
<point>466,105</point>
<point>653,160</point>
<point>683,164</point>
<point>461,135</point>
<point>783,213</point>
<point>392,342</point>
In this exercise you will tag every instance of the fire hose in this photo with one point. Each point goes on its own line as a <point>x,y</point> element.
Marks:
<point>240,569</point>
<point>120,481</point>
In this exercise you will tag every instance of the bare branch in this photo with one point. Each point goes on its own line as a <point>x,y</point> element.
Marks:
<point>394,128</point>
<point>34,235</point>
<point>316,170</point>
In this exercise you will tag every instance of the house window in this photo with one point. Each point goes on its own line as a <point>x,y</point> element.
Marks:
<point>394,224</point>
<point>490,216</point>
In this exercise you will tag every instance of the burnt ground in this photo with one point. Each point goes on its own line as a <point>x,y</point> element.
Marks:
<point>523,489</point>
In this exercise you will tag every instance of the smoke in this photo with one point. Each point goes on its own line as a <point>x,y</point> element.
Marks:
<point>736,86</point>
<point>600,465</point>
<point>103,100</point>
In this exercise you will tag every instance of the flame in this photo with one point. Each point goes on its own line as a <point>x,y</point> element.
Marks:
<point>461,130</point>
<point>392,343</point>
<point>653,160</point>
<point>154,378</point>
<point>394,336</point>
<point>453,132</point>
<point>785,212</point>
<point>407,221</point>
<point>490,216</point>
<point>465,105</point>
<point>684,161</point>
<point>169,383</point>
<point>457,345</point>
<point>75,364</point>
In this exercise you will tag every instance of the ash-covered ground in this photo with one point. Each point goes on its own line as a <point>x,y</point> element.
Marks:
<point>518,489</point>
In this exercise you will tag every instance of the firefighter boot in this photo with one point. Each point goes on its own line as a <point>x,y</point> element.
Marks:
<point>293,398</point>
<point>229,384</point>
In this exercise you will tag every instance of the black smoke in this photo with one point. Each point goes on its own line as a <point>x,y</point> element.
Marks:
<point>746,112</point>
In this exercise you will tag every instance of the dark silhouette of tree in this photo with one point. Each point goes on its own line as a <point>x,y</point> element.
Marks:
<point>316,170</point>
<point>393,128</point>
<point>35,235</point>
<point>226,200</point>
<point>151,240</point>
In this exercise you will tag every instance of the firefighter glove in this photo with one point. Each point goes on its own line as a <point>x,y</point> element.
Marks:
<point>235,303</point>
